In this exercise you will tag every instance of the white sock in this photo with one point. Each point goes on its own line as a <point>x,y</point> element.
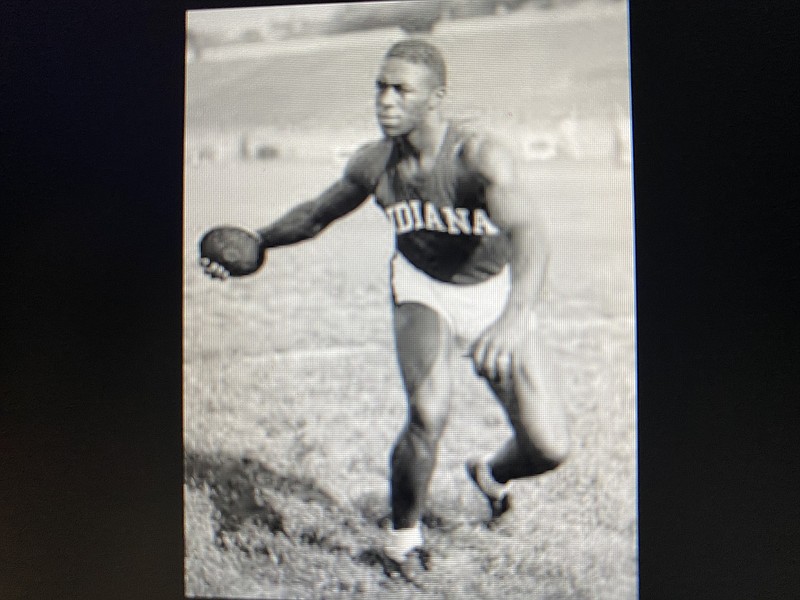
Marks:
<point>487,480</point>
<point>403,541</point>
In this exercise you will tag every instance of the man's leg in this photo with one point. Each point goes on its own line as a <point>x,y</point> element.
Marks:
<point>423,347</point>
<point>540,441</point>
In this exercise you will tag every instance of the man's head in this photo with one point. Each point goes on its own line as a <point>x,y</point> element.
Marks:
<point>410,86</point>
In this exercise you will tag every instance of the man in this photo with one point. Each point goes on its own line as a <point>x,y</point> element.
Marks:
<point>467,276</point>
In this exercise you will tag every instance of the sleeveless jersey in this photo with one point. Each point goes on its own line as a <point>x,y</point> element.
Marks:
<point>441,221</point>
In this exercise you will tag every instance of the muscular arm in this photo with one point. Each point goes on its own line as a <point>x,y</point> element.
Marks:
<point>511,209</point>
<point>306,220</point>
<point>309,218</point>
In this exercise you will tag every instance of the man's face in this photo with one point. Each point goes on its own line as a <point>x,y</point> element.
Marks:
<point>405,93</point>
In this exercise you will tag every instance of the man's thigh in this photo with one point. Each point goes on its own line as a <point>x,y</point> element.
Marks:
<point>534,402</point>
<point>466,309</point>
<point>423,342</point>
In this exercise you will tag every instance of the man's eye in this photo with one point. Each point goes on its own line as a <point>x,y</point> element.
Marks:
<point>400,89</point>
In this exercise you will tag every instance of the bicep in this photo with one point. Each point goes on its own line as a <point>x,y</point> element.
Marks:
<point>339,199</point>
<point>356,184</point>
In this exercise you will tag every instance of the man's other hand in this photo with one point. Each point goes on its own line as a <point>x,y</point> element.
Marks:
<point>493,351</point>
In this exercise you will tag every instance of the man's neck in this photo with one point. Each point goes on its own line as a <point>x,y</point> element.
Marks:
<point>426,139</point>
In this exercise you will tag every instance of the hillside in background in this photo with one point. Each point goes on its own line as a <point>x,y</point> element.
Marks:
<point>209,28</point>
<point>569,69</point>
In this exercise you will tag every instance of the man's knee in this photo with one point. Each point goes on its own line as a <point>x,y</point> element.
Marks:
<point>557,450</point>
<point>539,418</point>
<point>545,445</point>
<point>536,458</point>
<point>428,419</point>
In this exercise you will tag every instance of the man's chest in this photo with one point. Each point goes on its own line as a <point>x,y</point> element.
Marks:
<point>438,200</point>
<point>439,182</point>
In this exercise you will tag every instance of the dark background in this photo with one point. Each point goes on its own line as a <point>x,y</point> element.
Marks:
<point>90,384</point>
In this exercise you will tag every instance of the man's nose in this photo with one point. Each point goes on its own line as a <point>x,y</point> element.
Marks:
<point>387,96</point>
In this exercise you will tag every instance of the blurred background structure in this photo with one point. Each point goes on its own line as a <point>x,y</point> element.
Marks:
<point>567,103</point>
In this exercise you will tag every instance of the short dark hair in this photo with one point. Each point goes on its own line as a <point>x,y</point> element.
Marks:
<point>421,52</point>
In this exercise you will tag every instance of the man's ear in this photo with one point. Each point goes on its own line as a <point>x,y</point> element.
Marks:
<point>438,96</point>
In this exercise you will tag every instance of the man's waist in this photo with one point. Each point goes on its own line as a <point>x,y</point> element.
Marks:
<point>468,269</point>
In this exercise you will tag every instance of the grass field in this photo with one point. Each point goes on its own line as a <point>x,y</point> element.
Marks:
<point>292,394</point>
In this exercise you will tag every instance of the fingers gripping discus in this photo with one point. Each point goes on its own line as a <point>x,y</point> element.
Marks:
<point>236,249</point>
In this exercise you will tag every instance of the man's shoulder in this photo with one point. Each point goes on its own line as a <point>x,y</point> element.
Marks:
<point>368,162</point>
<point>480,145</point>
<point>375,149</point>
<point>467,132</point>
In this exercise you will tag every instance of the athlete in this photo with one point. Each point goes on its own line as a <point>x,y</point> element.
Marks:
<point>466,279</point>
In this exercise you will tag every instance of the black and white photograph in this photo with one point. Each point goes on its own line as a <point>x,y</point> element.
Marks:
<point>454,299</point>
<point>409,331</point>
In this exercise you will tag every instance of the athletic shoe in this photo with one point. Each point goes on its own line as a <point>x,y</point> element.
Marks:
<point>496,493</point>
<point>409,568</point>
<point>403,542</point>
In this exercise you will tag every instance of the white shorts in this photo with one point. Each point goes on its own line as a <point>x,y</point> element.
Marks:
<point>467,309</point>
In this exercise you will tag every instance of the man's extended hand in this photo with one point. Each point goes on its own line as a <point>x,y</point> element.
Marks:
<point>493,352</point>
<point>231,252</point>
<point>214,270</point>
